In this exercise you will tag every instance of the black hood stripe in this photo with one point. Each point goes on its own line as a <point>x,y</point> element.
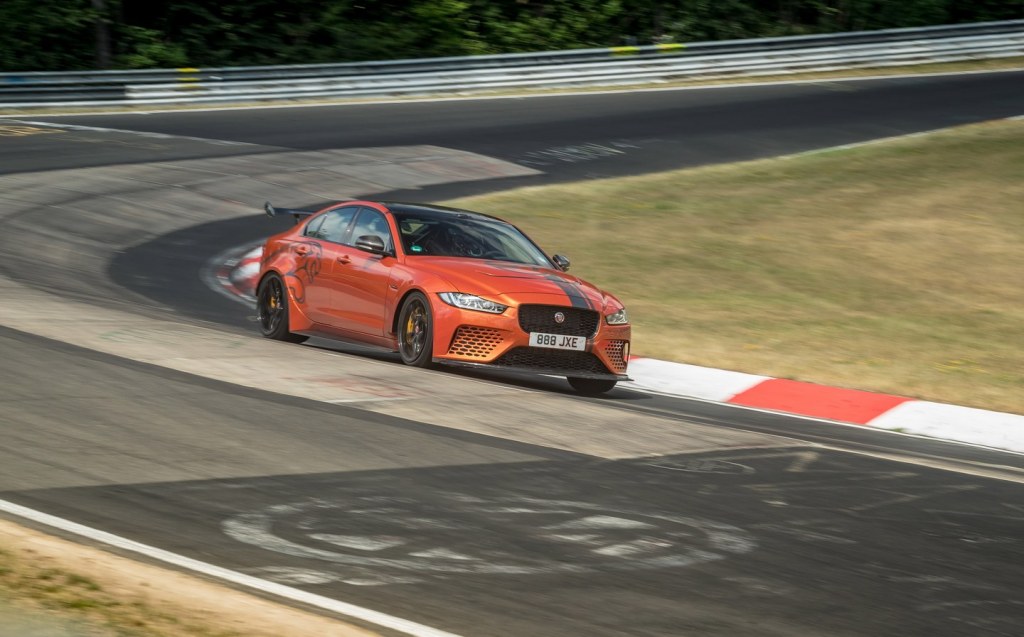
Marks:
<point>572,291</point>
<point>576,297</point>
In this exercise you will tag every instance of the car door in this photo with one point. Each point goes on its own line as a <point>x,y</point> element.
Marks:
<point>326,235</point>
<point>359,279</point>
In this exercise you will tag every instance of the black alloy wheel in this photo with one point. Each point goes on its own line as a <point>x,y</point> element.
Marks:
<point>272,310</point>
<point>416,331</point>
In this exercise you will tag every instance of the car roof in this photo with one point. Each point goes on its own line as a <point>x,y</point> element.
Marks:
<point>431,211</point>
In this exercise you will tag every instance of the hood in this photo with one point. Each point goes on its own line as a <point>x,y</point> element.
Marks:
<point>496,279</point>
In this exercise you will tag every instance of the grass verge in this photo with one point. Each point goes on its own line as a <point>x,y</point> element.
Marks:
<point>895,267</point>
<point>44,589</point>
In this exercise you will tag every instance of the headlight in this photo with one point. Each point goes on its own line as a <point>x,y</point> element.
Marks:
<point>471,302</point>
<point>618,318</point>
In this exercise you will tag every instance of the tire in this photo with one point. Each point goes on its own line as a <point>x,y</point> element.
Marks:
<point>416,331</point>
<point>592,386</point>
<point>272,310</point>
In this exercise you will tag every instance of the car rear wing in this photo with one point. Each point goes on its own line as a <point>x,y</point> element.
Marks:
<point>280,212</point>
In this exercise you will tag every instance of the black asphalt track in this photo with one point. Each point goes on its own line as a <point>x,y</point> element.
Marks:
<point>847,532</point>
<point>483,537</point>
<point>580,136</point>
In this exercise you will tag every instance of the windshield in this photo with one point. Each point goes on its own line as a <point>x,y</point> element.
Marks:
<point>466,236</point>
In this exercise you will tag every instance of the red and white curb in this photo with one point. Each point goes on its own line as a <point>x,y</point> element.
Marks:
<point>822,402</point>
<point>235,274</point>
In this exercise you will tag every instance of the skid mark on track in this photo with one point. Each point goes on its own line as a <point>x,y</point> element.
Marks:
<point>373,540</point>
<point>577,153</point>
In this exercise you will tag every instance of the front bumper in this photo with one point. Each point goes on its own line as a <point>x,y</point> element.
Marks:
<point>530,370</point>
<point>497,341</point>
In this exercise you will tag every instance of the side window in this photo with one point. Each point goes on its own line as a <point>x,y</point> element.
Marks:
<point>372,222</point>
<point>332,225</point>
<point>313,227</point>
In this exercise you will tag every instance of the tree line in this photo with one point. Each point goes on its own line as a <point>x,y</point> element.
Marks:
<point>61,35</point>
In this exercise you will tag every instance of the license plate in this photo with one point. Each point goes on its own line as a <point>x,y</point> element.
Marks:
<point>558,341</point>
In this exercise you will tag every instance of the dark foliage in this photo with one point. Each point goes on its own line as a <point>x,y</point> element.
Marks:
<point>62,34</point>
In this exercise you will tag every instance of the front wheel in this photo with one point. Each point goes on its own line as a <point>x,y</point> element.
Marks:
<point>591,386</point>
<point>272,310</point>
<point>416,331</point>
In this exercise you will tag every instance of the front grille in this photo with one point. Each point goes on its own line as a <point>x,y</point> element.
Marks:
<point>476,342</point>
<point>616,353</point>
<point>541,318</point>
<point>552,359</point>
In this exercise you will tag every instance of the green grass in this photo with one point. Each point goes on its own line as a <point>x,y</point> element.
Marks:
<point>895,267</point>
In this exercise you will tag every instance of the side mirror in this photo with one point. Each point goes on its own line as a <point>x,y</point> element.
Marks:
<point>371,243</point>
<point>561,262</point>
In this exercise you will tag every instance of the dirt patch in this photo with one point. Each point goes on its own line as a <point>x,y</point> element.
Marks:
<point>98,593</point>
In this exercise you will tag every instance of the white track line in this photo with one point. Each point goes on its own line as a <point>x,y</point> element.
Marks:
<point>287,592</point>
<point>98,129</point>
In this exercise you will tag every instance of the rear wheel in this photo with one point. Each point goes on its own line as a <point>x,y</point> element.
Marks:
<point>416,331</point>
<point>272,310</point>
<point>591,386</point>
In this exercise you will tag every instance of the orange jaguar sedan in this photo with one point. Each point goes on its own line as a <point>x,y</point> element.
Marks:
<point>439,285</point>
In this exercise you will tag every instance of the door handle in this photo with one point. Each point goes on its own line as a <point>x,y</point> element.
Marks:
<point>302,250</point>
<point>345,260</point>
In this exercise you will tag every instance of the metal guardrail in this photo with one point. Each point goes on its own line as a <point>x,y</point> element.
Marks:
<point>592,67</point>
